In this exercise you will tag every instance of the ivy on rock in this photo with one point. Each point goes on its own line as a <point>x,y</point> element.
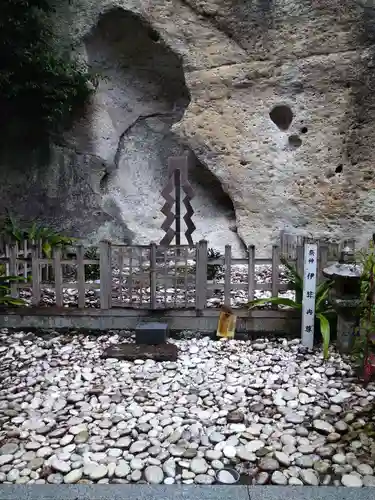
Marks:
<point>42,89</point>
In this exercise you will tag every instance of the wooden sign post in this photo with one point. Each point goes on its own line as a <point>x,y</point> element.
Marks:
<point>309,291</point>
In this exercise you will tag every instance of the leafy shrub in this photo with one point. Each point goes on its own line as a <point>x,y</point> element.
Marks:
<point>323,306</point>
<point>5,298</point>
<point>41,89</point>
<point>15,232</point>
<point>363,352</point>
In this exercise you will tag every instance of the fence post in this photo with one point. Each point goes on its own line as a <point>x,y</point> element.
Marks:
<point>13,268</point>
<point>153,250</point>
<point>284,244</point>
<point>201,275</point>
<point>300,269</point>
<point>228,274</point>
<point>105,275</point>
<point>35,273</point>
<point>57,271</point>
<point>322,262</point>
<point>6,245</point>
<point>17,255</point>
<point>25,256</point>
<point>275,272</point>
<point>43,268</point>
<point>251,272</point>
<point>81,281</point>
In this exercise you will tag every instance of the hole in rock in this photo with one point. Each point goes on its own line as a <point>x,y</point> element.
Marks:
<point>282,116</point>
<point>304,130</point>
<point>338,169</point>
<point>294,141</point>
<point>154,35</point>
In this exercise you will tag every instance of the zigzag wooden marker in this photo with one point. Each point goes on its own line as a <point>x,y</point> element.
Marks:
<point>178,179</point>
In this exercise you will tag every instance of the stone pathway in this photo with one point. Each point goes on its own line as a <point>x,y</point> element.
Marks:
<point>268,408</point>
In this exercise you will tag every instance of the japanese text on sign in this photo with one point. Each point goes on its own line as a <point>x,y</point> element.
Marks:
<point>308,298</point>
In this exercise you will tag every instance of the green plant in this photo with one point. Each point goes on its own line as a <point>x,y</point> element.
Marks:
<point>5,292</point>
<point>358,351</point>
<point>42,88</point>
<point>13,231</point>
<point>50,239</point>
<point>364,342</point>
<point>323,306</point>
<point>92,271</point>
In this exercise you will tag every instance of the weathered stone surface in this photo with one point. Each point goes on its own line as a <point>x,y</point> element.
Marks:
<point>273,115</point>
<point>253,154</point>
<point>198,466</point>
<point>126,136</point>
<point>278,478</point>
<point>309,477</point>
<point>154,474</point>
<point>60,466</point>
<point>64,194</point>
<point>73,476</point>
<point>323,427</point>
<point>352,481</point>
<point>268,464</point>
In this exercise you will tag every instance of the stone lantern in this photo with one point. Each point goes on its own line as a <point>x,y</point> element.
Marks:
<point>346,275</point>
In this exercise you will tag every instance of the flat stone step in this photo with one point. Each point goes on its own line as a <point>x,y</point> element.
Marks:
<point>130,352</point>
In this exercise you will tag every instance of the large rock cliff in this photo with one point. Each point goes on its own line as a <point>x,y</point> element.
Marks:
<point>275,98</point>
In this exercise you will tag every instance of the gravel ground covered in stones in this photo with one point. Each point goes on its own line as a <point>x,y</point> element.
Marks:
<point>275,412</point>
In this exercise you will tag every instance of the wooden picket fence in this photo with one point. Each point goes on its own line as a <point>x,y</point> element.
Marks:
<point>150,276</point>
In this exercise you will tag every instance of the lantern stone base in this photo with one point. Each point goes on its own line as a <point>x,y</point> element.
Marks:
<point>345,334</point>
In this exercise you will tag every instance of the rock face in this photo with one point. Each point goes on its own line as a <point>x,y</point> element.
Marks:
<point>64,195</point>
<point>316,173</point>
<point>275,99</point>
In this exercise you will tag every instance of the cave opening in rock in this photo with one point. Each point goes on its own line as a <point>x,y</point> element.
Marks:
<point>129,54</point>
<point>142,88</point>
<point>200,175</point>
<point>282,116</point>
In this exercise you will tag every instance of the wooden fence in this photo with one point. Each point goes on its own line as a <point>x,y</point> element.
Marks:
<point>150,276</point>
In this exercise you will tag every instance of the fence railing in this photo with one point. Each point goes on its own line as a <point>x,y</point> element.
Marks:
<point>151,276</point>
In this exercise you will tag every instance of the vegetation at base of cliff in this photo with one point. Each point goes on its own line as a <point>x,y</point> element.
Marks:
<point>42,89</point>
<point>12,231</point>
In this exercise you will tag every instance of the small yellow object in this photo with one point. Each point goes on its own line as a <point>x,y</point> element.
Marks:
<point>227,323</point>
